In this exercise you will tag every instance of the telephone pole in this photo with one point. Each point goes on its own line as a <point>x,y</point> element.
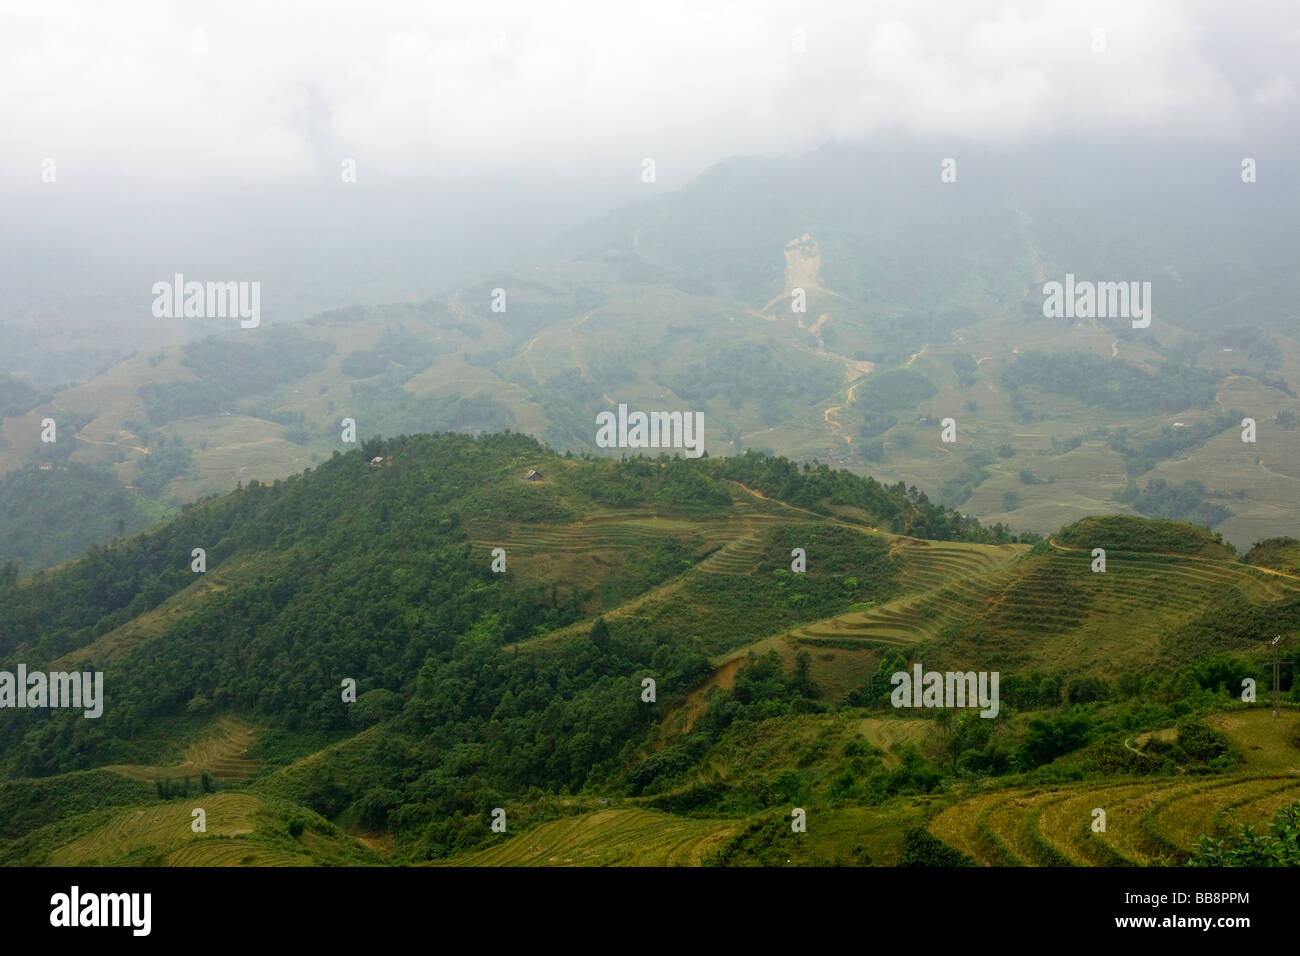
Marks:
<point>1276,677</point>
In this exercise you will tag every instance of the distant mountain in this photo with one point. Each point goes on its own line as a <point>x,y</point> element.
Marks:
<point>922,301</point>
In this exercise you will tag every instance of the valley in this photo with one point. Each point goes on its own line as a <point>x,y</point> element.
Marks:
<point>818,331</point>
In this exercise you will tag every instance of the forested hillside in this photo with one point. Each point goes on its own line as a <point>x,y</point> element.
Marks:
<point>500,633</point>
<point>364,572</point>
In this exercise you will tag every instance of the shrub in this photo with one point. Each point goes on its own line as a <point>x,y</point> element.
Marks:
<point>920,848</point>
<point>1248,847</point>
<point>1202,742</point>
<point>1049,738</point>
<point>1082,690</point>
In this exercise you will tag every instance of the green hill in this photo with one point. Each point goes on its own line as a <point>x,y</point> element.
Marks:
<point>1279,554</point>
<point>522,690</point>
<point>382,574</point>
<point>1123,533</point>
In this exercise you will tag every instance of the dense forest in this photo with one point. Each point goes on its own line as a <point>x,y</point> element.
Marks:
<point>228,370</point>
<point>32,502</point>
<point>1114,384</point>
<point>17,397</point>
<point>365,572</point>
<point>1181,502</point>
<point>752,373</point>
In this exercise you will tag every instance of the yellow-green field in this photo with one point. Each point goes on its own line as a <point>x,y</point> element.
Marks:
<point>165,830</point>
<point>1096,622</point>
<point>934,573</point>
<point>1147,821</point>
<point>617,837</point>
<point>241,829</point>
<point>218,753</point>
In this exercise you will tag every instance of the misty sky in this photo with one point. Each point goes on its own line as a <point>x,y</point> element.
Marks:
<point>480,128</point>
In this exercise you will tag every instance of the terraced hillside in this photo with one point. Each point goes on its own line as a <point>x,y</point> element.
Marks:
<point>1152,821</point>
<point>726,544</point>
<point>1147,822</point>
<point>621,837</point>
<point>219,753</point>
<point>736,542</point>
<point>240,830</point>
<point>525,689</point>
<point>979,602</point>
<point>159,829</point>
<point>936,574</point>
<point>821,385</point>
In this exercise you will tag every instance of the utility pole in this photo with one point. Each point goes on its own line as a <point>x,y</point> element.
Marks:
<point>1276,677</point>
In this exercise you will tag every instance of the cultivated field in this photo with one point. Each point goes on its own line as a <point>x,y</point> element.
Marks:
<point>609,837</point>
<point>219,753</point>
<point>1148,821</point>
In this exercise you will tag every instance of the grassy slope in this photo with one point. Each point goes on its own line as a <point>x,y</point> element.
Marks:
<point>944,585</point>
<point>1120,616</point>
<point>1148,821</point>
<point>241,830</point>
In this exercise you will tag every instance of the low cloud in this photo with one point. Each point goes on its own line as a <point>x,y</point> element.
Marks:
<point>241,91</point>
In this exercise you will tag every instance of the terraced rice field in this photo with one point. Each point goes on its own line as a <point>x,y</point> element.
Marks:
<point>956,826</point>
<point>609,532</point>
<point>219,753</point>
<point>234,853</point>
<point>727,546</point>
<point>1064,822</point>
<point>1051,595</point>
<point>946,580</point>
<point>619,531</point>
<point>1147,822</point>
<point>1262,743</point>
<point>615,837</point>
<point>1062,591</point>
<point>1258,804</point>
<point>1125,834</point>
<point>738,556</point>
<point>158,828</point>
<point>887,733</point>
<point>1008,824</point>
<point>1181,818</point>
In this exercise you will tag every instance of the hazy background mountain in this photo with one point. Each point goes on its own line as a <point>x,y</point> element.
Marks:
<point>75,280</point>
<point>924,301</point>
<point>792,149</point>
